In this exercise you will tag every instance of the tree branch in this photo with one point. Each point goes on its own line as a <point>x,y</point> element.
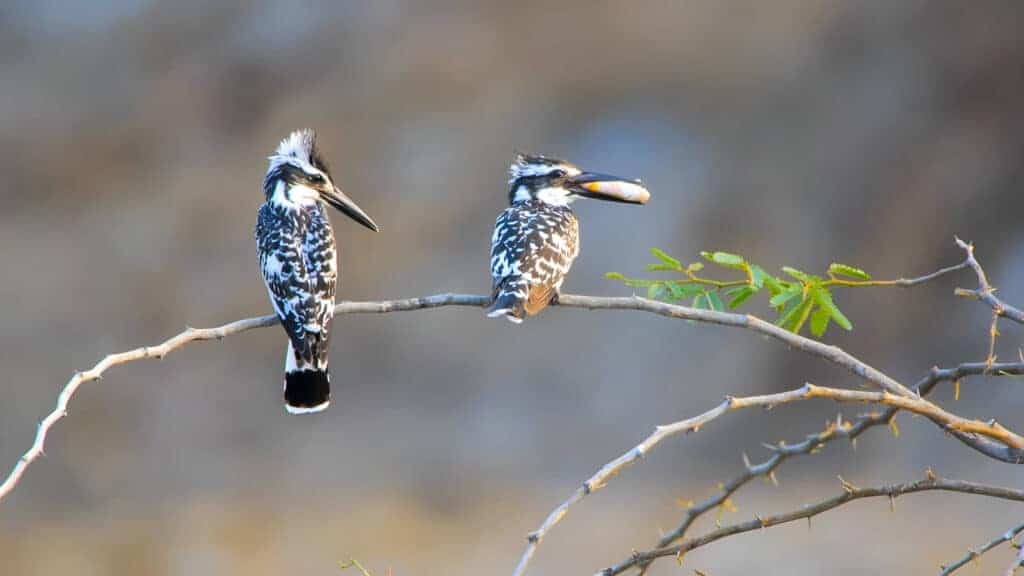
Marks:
<point>838,429</point>
<point>985,292</point>
<point>974,553</point>
<point>915,404</point>
<point>1018,559</point>
<point>849,494</point>
<point>813,347</point>
<point>196,335</point>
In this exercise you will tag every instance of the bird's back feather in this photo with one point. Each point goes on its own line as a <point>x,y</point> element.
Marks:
<point>532,249</point>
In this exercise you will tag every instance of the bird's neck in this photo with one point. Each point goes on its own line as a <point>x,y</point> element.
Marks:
<point>537,204</point>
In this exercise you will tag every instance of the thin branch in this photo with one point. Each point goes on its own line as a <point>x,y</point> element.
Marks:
<point>975,553</point>
<point>985,292</point>
<point>837,429</point>
<point>915,404</point>
<point>849,494</point>
<point>897,283</point>
<point>813,347</point>
<point>1018,559</point>
<point>200,334</point>
<point>353,563</point>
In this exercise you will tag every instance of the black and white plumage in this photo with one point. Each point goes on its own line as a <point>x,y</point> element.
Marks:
<point>298,258</point>
<point>536,239</point>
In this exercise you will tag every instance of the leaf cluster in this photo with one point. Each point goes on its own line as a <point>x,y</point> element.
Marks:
<point>799,298</point>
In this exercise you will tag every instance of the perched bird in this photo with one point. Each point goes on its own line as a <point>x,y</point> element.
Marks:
<point>298,260</point>
<point>536,239</point>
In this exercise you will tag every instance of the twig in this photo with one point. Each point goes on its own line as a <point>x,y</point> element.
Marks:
<point>985,292</point>
<point>837,429</point>
<point>916,404</point>
<point>353,563</point>
<point>897,283</point>
<point>974,553</point>
<point>1018,559</point>
<point>849,494</point>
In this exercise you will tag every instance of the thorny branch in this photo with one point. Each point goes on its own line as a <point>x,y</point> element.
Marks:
<point>985,292</point>
<point>989,437</point>
<point>915,404</point>
<point>850,493</point>
<point>997,450</point>
<point>1018,559</point>
<point>975,553</point>
<point>812,443</point>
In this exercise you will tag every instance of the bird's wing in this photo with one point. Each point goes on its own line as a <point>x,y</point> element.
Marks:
<point>286,276</point>
<point>320,258</point>
<point>536,247</point>
<point>506,245</point>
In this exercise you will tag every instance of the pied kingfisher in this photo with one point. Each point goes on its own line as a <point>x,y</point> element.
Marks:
<point>536,239</point>
<point>297,256</point>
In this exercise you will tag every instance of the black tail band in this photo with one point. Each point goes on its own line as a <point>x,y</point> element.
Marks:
<point>306,391</point>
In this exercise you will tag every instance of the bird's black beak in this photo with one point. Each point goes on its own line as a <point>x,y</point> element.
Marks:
<point>610,188</point>
<point>339,200</point>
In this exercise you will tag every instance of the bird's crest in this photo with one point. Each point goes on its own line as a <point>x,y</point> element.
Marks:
<point>299,149</point>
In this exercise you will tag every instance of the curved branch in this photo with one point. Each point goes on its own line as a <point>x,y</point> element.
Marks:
<point>813,347</point>
<point>199,334</point>
<point>915,404</point>
<point>96,372</point>
<point>849,494</point>
<point>839,429</point>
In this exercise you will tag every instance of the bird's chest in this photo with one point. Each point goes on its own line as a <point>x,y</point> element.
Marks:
<point>317,244</point>
<point>299,235</point>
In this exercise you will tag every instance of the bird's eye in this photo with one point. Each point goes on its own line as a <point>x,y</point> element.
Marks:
<point>558,173</point>
<point>316,178</point>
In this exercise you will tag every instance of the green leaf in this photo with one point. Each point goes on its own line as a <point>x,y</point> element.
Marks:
<point>775,285</point>
<point>801,276</point>
<point>614,276</point>
<point>661,267</point>
<point>655,291</point>
<point>786,295</point>
<point>668,260</point>
<point>848,271</point>
<point>819,321</point>
<point>695,267</point>
<point>700,301</point>
<point>682,291</point>
<point>757,276</point>
<point>824,300</point>
<point>794,320</point>
<point>725,259</point>
<point>739,295</point>
<point>715,301</point>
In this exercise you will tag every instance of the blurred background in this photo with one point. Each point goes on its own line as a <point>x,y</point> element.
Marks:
<point>133,142</point>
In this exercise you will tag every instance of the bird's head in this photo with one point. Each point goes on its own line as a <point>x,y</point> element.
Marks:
<point>298,176</point>
<point>557,182</point>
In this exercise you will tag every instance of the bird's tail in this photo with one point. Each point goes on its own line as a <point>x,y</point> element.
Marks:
<point>307,388</point>
<point>510,301</point>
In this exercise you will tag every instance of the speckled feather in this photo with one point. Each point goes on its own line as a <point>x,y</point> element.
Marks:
<point>298,260</point>
<point>532,249</point>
